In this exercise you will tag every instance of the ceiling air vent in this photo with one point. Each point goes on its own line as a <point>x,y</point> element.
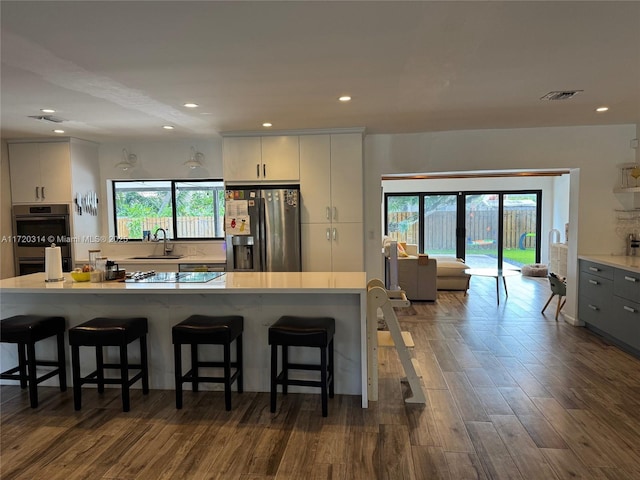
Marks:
<point>561,95</point>
<point>48,118</point>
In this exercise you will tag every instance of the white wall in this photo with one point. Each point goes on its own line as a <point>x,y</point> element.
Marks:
<point>592,153</point>
<point>155,161</point>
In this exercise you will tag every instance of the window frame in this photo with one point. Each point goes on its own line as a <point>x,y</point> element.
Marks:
<point>174,219</point>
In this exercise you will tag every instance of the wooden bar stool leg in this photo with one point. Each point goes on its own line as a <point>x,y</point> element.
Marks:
<point>124,373</point>
<point>274,374</point>
<point>100,368</point>
<point>323,381</point>
<point>332,381</point>
<point>177,355</point>
<point>227,376</point>
<point>239,363</point>
<point>75,372</point>
<point>33,380</point>
<point>22,364</point>
<point>62,368</point>
<point>194,367</point>
<point>144,364</point>
<point>285,368</point>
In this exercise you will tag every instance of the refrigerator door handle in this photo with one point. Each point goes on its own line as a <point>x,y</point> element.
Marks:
<point>263,235</point>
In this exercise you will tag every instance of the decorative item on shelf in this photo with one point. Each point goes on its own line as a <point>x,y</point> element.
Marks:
<point>635,173</point>
<point>128,160</point>
<point>195,160</point>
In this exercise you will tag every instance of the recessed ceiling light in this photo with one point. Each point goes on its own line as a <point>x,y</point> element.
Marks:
<point>602,109</point>
<point>191,105</point>
<point>267,124</point>
<point>344,98</point>
<point>47,110</point>
<point>58,131</point>
<point>168,127</point>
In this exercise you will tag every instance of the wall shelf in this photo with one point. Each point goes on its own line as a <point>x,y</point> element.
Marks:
<point>626,182</point>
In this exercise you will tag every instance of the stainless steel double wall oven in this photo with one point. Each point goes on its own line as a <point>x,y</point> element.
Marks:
<point>36,227</point>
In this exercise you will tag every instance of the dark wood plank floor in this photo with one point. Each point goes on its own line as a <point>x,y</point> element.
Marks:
<point>510,394</point>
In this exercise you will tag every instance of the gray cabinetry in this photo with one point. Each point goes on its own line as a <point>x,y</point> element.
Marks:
<point>609,301</point>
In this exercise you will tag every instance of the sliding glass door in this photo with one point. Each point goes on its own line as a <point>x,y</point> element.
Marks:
<point>482,218</point>
<point>487,229</point>
<point>439,224</point>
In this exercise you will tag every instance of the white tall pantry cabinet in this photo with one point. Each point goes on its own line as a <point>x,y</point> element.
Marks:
<point>54,172</point>
<point>332,202</point>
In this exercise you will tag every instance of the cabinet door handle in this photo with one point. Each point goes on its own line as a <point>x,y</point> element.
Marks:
<point>629,309</point>
<point>594,269</point>
<point>42,191</point>
<point>328,213</point>
<point>593,282</point>
<point>335,235</point>
<point>264,170</point>
<point>335,213</point>
<point>593,307</point>
<point>257,170</point>
<point>37,194</point>
<point>328,234</point>
<point>630,279</point>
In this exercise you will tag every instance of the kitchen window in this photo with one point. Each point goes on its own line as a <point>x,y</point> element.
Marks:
<point>185,209</point>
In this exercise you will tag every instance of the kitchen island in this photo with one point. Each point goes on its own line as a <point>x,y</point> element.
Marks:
<point>261,297</point>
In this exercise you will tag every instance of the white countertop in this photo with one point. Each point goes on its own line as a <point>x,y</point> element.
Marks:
<point>231,282</point>
<point>618,261</point>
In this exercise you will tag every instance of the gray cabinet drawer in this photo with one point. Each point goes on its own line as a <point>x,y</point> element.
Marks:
<point>625,321</point>
<point>598,269</point>
<point>595,288</point>
<point>626,284</point>
<point>596,313</point>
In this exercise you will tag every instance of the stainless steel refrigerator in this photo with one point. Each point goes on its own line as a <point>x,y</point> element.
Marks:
<point>262,229</point>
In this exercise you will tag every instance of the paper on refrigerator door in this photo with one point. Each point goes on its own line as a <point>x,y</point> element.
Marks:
<point>237,220</point>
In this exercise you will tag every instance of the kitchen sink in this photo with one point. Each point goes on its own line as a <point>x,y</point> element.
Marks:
<point>158,257</point>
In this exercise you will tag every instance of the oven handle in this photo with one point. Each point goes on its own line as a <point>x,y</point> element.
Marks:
<point>34,218</point>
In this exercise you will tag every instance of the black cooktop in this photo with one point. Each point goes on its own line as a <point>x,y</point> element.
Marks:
<point>174,277</point>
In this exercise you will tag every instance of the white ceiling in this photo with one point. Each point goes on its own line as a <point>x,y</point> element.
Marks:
<point>118,70</point>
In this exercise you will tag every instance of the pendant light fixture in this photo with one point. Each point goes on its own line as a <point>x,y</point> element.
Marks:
<point>195,159</point>
<point>128,160</point>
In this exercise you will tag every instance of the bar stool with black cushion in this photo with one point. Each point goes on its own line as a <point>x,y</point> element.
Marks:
<point>26,330</point>
<point>208,330</point>
<point>293,331</point>
<point>104,332</point>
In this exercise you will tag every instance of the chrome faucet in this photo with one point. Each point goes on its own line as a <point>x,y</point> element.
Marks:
<point>164,236</point>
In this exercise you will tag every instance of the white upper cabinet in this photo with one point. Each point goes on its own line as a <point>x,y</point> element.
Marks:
<point>331,178</point>
<point>346,178</point>
<point>40,172</point>
<point>261,159</point>
<point>241,157</point>
<point>315,178</point>
<point>281,159</point>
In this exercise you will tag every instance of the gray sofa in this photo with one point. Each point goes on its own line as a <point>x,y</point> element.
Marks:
<point>421,278</point>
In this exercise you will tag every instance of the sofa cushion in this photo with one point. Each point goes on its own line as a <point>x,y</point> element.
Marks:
<point>450,266</point>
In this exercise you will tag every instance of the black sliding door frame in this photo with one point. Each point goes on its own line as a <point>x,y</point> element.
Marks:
<point>461,233</point>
